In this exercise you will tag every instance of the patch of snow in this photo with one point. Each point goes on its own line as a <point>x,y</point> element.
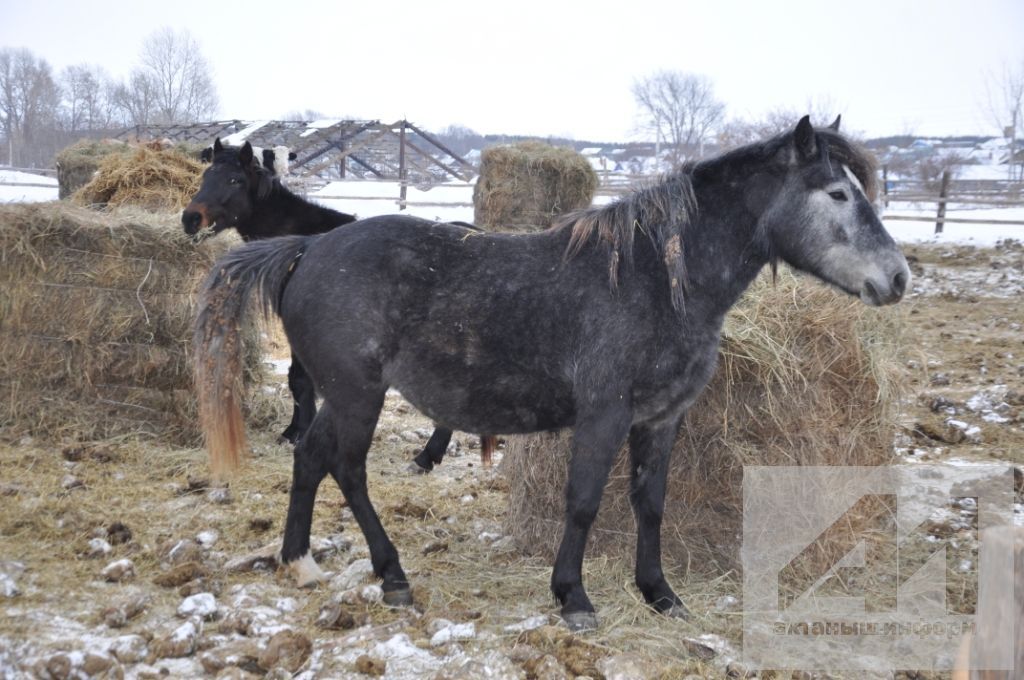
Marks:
<point>286,605</point>
<point>455,632</point>
<point>203,605</point>
<point>8,588</point>
<point>529,623</point>
<point>280,366</point>
<point>239,137</point>
<point>207,538</point>
<point>353,575</point>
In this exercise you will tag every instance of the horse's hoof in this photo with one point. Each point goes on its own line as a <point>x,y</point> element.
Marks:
<point>398,598</point>
<point>678,611</point>
<point>416,469</point>
<point>580,622</point>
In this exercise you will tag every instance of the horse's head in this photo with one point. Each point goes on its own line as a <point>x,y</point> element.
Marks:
<point>823,220</point>
<point>235,181</point>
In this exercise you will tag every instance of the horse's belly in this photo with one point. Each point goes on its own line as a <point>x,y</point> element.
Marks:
<point>488,403</point>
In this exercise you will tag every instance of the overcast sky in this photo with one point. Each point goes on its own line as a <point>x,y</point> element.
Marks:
<point>557,68</point>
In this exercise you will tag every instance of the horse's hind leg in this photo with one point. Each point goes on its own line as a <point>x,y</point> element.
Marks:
<point>303,402</point>
<point>309,467</point>
<point>650,449</point>
<point>595,442</point>
<point>433,453</point>
<point>354,431</point>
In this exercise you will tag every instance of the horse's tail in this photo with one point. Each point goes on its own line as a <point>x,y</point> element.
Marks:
<point>264,266</point>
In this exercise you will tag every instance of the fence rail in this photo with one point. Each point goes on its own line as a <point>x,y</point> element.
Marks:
<point>984,193</point>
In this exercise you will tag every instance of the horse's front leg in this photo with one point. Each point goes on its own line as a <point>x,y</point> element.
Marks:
<point>596,440</point>
<point>650,449</point>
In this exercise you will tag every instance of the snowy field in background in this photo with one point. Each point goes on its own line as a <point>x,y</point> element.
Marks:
<point>368,198</point>
<point>21,192</point>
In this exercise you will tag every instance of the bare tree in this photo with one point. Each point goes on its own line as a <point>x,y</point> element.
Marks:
<point>29,99</point>
<point>1006,109</point>
<point>86,101</point>
<point>178,76</point>
<point>135,99</point>
<point>738,131</point>
<point>680,109</point>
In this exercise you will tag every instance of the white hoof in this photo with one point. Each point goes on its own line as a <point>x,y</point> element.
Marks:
<point>307,572</point>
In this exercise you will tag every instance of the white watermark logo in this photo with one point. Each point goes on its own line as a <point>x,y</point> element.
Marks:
<point>873,568</point>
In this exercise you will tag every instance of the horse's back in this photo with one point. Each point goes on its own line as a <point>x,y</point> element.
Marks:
<point>453,318</point>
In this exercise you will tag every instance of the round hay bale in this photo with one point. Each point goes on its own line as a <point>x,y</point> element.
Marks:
<point>97,313</point>
<point>149,177</point>
<point>805,377</point>
<point>78,163</point>
<point>523,187</point>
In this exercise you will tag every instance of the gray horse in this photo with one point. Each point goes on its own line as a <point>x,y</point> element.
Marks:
<point>608,323</point>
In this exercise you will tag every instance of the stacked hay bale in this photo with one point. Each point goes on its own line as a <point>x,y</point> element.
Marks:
<point>522,187</point>
<point>97,311</point>
<point>78,163</point>
<point>805,377</point>
<point>149,177</point>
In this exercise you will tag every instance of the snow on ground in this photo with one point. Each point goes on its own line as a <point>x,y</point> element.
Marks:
<point>369,198</point>
<point>923,230</point>
<point>18,187</point>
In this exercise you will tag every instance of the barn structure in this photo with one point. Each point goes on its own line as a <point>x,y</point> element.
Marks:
<point>332,148</point>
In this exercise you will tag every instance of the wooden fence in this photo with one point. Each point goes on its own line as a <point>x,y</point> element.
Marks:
<point>947,191</point>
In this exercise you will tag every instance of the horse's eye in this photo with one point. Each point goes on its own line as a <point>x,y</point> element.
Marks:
<point>837,195</point>
<point>234,180</point>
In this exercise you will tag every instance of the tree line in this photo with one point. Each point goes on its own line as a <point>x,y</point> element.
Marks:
<point>42,111</point>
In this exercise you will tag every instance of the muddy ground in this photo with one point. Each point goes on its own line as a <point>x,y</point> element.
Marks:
<point>121,559</point>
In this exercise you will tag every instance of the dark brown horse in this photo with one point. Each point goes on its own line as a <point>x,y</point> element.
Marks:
<point>242,190</point>
<point>608,323</point>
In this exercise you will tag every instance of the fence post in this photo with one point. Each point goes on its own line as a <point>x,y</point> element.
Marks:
<point>401,168</point>
<point>885,184</point>
<point>940,217</point>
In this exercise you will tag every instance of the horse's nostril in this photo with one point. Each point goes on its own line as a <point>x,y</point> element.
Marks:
<point>899,283</point>
<point>191,220</point>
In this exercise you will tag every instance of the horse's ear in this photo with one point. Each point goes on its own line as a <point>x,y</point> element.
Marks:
<point>217,146</point>
<point>803,138</point>
<point>245,154</point>
<point>835,123</point>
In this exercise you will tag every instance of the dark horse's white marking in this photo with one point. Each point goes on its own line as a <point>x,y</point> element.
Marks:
<point>607,324</point>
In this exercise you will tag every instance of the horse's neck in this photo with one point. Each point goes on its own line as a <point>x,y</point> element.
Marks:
<point>722,251</point>
<point>286,213</point>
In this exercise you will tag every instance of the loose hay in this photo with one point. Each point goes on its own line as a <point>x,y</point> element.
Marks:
<point>522,187</point>
<point>155,179</point>
<point>78,163</point>
<point>805,377</point>
<point>97,312</point>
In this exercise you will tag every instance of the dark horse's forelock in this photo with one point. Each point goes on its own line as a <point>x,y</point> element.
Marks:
<point>265,179</point>
<point>660,210</point>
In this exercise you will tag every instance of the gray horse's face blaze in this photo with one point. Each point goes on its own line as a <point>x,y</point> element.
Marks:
<point>823,223</point>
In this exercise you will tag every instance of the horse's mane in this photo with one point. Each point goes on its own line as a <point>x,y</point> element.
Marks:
<point>663,209</point>
<point>660,210</point>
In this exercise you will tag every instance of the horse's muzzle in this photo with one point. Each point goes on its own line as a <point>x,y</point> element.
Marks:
<point>878,292</point>
<point>193,220</point>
